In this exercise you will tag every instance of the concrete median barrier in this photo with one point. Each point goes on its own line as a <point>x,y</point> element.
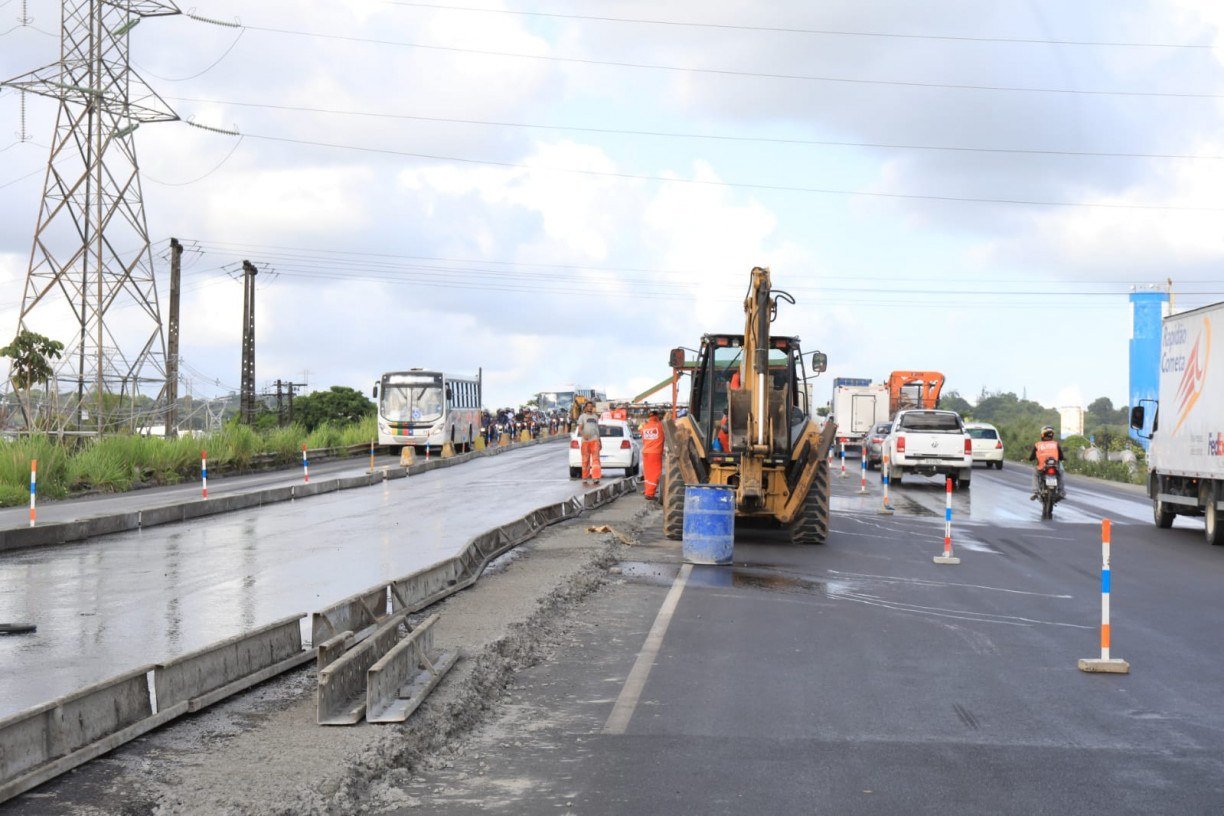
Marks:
<point>213,673</point>
<point>341,696</point>
<point>356,613</point>
<point>401,680</point>
<point>45,741</point>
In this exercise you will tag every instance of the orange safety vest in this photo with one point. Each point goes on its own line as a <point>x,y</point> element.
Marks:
<point>1046,449</point>
<point>652,437</point>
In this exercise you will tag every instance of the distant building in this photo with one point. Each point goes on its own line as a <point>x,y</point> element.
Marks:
<point>1071,421</point>
<point>1149,310</point>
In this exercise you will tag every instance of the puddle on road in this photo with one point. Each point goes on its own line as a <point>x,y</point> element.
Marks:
<point>732,576</point>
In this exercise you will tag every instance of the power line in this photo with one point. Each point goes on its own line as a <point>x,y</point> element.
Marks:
<point>785,188</point>
<point>731,72</point>
<point>338,257</point>
<point>691,135</point>
<point>797,30</point>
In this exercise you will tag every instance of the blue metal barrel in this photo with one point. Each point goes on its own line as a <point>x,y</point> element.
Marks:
<point>709,524</point>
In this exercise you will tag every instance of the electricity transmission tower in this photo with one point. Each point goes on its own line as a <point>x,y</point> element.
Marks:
<point>91,265</point>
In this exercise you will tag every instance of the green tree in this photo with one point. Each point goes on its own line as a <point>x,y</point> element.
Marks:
<point>30,354</point>
<point>953,401</point>
<point>339,405</point>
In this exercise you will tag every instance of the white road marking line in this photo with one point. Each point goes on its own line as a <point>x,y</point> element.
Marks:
<point>622,712</point>
<point>927,582</point>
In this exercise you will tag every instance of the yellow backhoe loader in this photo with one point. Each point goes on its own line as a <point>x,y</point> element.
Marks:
<point>749,427</point>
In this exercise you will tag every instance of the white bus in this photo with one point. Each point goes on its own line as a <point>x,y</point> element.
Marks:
<point>428,408</point>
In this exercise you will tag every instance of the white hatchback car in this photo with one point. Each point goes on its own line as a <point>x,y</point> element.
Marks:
<point>620,449</point>
<point>987,444</point>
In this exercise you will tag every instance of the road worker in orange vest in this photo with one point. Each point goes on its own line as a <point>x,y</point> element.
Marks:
<point>588,435</point>
<point>652,454</point>
<point>1047,448</point>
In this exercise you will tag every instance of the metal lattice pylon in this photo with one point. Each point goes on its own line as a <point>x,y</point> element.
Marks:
<point>91,265</point>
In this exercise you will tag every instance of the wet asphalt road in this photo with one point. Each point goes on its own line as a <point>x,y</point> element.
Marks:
<point>112,604</point>
<point>860,677</point>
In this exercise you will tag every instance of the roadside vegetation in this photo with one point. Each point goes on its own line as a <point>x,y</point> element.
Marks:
<point>122,462</point>
<point>1020,422</point>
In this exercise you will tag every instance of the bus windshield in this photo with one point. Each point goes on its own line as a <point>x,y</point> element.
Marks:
<point>403,402</point>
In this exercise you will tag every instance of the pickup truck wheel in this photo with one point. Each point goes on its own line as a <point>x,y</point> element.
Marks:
<point>1161,514</point>
<point>673,499</point>
<point>894,476</point>
<point>962,480</point>
<point>1211,515</point>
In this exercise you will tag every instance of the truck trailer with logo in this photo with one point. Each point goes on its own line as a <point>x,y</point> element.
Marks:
<point>1186,422</point>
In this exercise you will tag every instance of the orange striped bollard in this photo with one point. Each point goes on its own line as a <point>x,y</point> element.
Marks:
<point>1105,663</point>
<point>947,557</point>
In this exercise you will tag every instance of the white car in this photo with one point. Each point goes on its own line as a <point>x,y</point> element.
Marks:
<point>620,449</point>
<point>987,444</point>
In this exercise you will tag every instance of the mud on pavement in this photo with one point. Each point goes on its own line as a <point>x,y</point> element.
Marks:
<point>262,753</point>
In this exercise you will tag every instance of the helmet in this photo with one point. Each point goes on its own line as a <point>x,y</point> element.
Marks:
<point>1047,432</point>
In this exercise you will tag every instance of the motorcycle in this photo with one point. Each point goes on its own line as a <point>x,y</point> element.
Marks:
<point>1047,487</point>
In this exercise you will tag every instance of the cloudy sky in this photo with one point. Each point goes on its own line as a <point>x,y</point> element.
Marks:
<point>561,192</point>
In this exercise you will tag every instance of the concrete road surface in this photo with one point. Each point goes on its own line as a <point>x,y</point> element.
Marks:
<point>108,605</point>
<point>861,678</point>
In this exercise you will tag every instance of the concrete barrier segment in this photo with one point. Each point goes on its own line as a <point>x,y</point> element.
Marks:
<point>40,536</point>
<point>33,738</point>
<point>231,664</point>
<point>424,587</point>
<point>357,613</point>
<point>401,680</point>
<point>329,650</point>
<point>341,696</point>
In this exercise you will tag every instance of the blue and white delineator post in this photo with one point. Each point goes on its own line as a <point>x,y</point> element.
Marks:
<point>947,557</point>
<point>204,473</point>
<point>886,508</point>
<point>305,465</point>
<point>33,491</point>
<point>1105,663</point>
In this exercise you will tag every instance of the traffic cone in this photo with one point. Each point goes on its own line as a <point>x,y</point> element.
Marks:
<point>448,449</point>
<point>407,456</point>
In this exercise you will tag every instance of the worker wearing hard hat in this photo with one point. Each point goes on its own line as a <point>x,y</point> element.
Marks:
<point>588,436</point>
<point>652,454</point>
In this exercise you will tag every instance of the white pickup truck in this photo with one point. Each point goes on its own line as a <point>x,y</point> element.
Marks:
<point>929,442</point>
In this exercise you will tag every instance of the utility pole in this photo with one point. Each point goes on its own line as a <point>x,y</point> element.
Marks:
<point>280,408</point>
<point>246,400</point>
<point>91,255</point>
<point>291,386</point>
<point>172,341</point>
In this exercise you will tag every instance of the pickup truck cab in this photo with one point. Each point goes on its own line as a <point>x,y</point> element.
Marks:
<point>929,443</point>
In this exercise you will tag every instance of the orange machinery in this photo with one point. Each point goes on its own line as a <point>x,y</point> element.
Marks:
<point>913,389</point>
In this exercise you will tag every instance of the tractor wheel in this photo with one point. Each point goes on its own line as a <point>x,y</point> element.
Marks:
<point>673,500</point>
<point>811,526</point>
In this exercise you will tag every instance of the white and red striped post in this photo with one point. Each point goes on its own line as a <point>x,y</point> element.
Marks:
<point>886,508</point>
<point>863,469</point>
<point>204,473</point>
<point>947,557</point>
<point>843,460</point>
<point>305,465</point>
<point>33,490</point>
<point>1105,663</point>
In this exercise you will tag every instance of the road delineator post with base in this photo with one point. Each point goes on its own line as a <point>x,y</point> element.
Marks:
<point>1105,663</point>
<point>863,470</point>
<point>33,491</point>
<point>305,465</point>
<point>843,460</point>
<point>886,508</point>
<point>204,473</point>
<point>372,455</point>
<point>947,557</point>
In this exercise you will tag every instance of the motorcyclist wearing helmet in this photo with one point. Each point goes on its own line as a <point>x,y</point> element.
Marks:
<point>1047,448</point>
